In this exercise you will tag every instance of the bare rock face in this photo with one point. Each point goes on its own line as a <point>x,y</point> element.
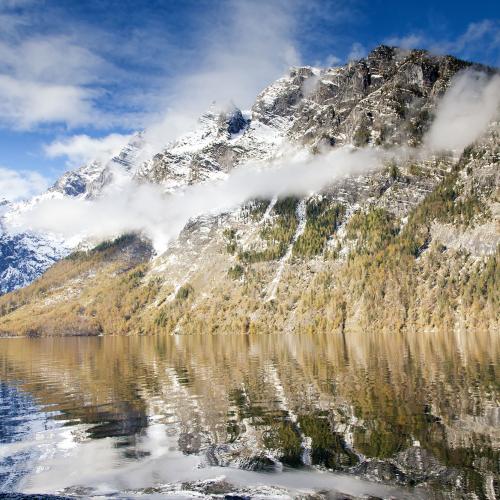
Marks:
<point>76,182</point>
<point>236,122</point>
<point>383,100</point>
<point>282,98</point>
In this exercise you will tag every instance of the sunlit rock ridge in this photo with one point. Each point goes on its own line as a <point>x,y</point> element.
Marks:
<point>423,219</point>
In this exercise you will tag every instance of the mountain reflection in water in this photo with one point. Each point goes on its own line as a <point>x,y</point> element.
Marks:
<point>145,414</point>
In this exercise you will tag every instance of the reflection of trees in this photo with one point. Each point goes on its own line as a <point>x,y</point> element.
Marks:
<point>375,394</point>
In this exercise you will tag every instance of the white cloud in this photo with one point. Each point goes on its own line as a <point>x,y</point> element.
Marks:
<point>52,59</point>
<point>485,33</point>
<point>128,206</point>
<point>24,104</point>
<point>310,85</point>
<point>48,78</point>
<point>480,39</point>
<point>80,149</point>
<point>331,61</point>
<point>469,105</point>
<point>16,185</point>
<point>62,73</point>
<point>358,51</point>
<point>251,47</point>
<point>411,41</point>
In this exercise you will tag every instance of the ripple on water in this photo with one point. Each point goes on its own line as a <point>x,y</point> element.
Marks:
<point>132,413</point>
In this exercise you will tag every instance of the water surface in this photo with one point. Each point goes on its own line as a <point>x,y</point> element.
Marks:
<point>402,416</point>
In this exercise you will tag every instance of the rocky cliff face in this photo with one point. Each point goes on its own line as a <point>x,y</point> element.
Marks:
<point>412,245</point>
<point>384,100</point>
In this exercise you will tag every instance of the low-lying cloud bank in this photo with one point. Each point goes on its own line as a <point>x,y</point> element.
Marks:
<point>145,208</point>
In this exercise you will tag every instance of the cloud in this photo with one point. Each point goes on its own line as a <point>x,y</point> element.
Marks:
<point>66,73</point>
<point>358,51</point>
<point>48,78</point>
<point>24,104</point>
<point>411,41</point>
<point>331,61</point>
<point>56,69</point>
<point>479,41</point>
<point>471,102</point>
<point>463,114</point>
<point>238,63</point>
<point>129,206</point>
<point>17,185</point>
<point>80,149</point>
<point>484,34</point>
<point>78,74</point>
<point>310,85</point>
<point>251,47</point>
<point>52,59</point>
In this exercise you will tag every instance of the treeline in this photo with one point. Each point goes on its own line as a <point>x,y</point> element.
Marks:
<point>386,285</point>
<point>323,219</point>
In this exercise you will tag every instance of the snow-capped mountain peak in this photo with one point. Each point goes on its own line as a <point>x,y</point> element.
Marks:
<point>386,99</point>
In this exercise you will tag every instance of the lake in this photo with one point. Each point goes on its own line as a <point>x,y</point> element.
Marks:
<point>251,416</point>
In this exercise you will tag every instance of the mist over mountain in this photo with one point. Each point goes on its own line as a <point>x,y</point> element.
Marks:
<point>329,167</point>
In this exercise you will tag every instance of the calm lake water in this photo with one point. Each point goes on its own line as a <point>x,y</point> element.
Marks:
<point>392,416</point>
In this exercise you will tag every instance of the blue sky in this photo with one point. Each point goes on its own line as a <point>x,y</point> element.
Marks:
<point>77,77</point>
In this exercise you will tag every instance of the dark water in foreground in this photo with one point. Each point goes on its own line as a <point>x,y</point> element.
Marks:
<point>396,416</point>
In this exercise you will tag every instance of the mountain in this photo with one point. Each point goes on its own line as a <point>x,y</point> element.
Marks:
<point>412,245</point>
<point>24,255</point>
<point>383,100</point>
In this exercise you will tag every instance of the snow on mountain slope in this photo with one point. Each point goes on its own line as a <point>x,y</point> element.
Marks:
<point>386,99</point>
<point>24,256</point>
<point>221,141</point>
<point>76,182</point>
